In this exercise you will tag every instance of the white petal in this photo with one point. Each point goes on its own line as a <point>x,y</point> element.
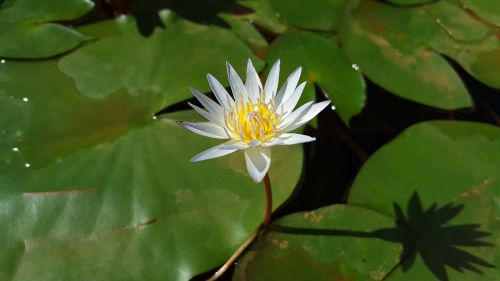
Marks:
<point>237,87</point>
<point>295,116</point>
<point>237,145</point>
<point>289,139</point>
<point>288,87</point>
<point>291,102</point>
<point>220,92</point>
<point>309,114</point>
<point>254,143</point>
<point>272,81</point>
<point>315,110</point>
<point>209,116</point>
<point>258,160</point>
<point>216,151</point>
<point>252,83</point>
<point>208,103</point>
<point>207,129</point>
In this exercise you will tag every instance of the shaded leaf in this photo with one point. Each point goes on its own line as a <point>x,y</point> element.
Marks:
<point>377,37</point>
<point>28,28</point>
<point>324,64</point>
<point>454,32</point>
<point>309,14</point>
<point>247,32</point>
<point>264,15</point>
<point>489,10</point>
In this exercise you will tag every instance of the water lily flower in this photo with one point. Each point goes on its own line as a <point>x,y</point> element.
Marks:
<point>254,118</point>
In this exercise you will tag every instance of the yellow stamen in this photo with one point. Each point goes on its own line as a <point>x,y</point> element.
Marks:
<point>249,121</point>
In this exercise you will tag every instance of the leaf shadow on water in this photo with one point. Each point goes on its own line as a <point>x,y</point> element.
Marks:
<point>422,232</point>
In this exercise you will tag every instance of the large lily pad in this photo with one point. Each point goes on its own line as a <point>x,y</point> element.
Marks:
<point>99,189</point>
<point>28,28</point>
<point>46,118</point>
<point>324,64</point>
<point>338,242</point>
<point>133,209</point>
<point>447,173</point>
<point>379,38</point>
<point>167,62</point>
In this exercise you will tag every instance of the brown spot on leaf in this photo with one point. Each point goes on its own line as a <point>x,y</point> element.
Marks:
<point>148,222</point>
<point>284,244</point>
<point>138,226</point>
<point>314,217</point>
<point>477,189</point>
<point>377,274</point>
<point>340,278</point>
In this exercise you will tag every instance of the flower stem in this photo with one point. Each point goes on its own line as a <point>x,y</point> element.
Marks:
<point>265,222</point>
<point>269,201</point>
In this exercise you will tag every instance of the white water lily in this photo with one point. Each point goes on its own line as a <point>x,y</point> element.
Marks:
<point>255,119</point>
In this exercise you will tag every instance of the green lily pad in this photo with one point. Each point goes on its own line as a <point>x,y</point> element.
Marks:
<point>489,10</point>
<point>278,16</point>
<point>324,64</point>
<point>480,59</point>
<point>48,119</point>
<point>28,28</point>
<point>450,20</point>
<point>99,189</point>
<point>380,40</point>
<point>167,62</point>
<point>337,242</point>
<point>133,208</point>
<point>309,14</point>
<point>454,32</point>
<point>264,15</point>
<point>247,32</point>
<point>77,215</point>
<point>447,173</point>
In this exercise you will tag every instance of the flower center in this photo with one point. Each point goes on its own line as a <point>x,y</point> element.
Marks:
<point>252,121</point>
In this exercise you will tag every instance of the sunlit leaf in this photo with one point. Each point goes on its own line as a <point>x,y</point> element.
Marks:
<point>331,243</point>
<point>97,188</point>
<point>166,63</point>
<point>445,176</point>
